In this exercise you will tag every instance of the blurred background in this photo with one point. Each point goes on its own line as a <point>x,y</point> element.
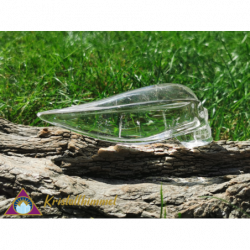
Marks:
<point>48,70</point>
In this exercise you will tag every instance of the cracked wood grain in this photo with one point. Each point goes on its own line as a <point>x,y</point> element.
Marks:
<point>56,162</point>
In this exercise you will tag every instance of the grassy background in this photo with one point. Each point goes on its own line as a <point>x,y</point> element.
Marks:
<point>47,70</point>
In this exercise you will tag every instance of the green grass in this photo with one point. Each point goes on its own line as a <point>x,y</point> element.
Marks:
<point>47,70</point>
<point>162,206</point>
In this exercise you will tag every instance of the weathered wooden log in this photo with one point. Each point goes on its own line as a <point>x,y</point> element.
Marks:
<point>79,155</point>
<point>58,163</point>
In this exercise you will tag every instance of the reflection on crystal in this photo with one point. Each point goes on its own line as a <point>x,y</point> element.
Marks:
<point>145,115</point>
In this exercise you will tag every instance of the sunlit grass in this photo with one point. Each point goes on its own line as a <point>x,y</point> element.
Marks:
<point>48,70</point>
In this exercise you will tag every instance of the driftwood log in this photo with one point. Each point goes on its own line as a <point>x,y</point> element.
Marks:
<point>58,163</point>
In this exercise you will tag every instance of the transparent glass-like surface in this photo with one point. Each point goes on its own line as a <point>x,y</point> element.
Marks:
<point>145,115</point>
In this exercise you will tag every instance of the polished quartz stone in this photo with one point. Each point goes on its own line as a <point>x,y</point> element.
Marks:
<point>146,115</point>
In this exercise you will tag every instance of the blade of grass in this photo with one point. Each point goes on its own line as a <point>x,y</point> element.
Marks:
<point>161,202</point>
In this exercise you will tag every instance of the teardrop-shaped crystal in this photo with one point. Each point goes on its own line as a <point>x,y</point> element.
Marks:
<point>150,114</point>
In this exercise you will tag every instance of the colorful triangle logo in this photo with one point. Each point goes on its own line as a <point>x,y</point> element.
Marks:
<point>23,205</point>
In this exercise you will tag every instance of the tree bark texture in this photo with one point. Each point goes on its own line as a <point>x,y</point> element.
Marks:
<point>57,162</point>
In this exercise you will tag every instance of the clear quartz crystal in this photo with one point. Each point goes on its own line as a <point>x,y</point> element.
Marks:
<point>146,115</point>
